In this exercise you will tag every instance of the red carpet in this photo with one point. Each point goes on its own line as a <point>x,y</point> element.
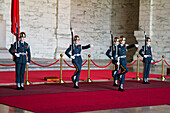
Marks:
<point>38,76</point>
<point>91,96</point>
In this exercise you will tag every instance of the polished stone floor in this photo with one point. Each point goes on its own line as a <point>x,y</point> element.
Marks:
<point>147,109</point>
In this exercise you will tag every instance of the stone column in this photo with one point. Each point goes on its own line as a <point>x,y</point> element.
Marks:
<point>4,54</point>
<point>145,23</point>
<point>63,27</point>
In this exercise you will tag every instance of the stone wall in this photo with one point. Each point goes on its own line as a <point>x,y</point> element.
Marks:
<point>125,20</point>
<point>161,29</point>
<point>155,20</point>
<point>38,20</point>
<point>91,20</point>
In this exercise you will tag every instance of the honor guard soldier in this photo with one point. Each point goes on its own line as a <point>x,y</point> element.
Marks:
<point>122,48</point>
<point>76,58</point>
<point>114,58</point>
<point>20,58</point>
<point>147,57</point>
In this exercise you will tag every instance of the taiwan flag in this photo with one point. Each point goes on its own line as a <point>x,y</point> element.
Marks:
<point>15,17</point>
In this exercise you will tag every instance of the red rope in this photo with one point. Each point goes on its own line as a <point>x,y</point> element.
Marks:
<point>101,66</point>
<point>156,62</point>
<point>153,62</point>
<point>132,63</point>
<point>7,65</point>
<point>167,63</point>
<point>69,64</point>
<point>84,63</point>
<point>44,65</point>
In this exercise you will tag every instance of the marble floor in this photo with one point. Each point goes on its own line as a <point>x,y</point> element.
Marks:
<point>147,109</point>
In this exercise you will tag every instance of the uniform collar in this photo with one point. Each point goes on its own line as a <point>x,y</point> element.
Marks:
<point>22,42</point>
<point>121,45</point>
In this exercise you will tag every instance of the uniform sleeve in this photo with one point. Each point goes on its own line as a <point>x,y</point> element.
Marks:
<point>114,57</point>
<point>67,52</point>
<point>141,51</point>
<point>108,52</point>
<point>29,54</point>
<point>86,47</point>
<point>151,54</point>
<point>130,46</point>
<point>12,48</point>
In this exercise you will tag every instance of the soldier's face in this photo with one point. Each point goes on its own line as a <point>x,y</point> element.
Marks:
<point>148,43</point>
<point>117,42</point>
<point>22,39</point>
<point>77,41</point>
<point>123,42</point>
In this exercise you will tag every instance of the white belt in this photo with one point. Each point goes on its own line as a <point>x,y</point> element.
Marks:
<point>77,54</point>
<point>148,55</point>
<point>22,53</point>
<point>122,56</point>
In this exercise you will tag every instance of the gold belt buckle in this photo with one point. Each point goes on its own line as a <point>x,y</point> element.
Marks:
<point>23,53</point>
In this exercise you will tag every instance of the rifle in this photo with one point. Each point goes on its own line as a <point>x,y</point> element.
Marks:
<point>112,44</point>
<point>112,47</point>
<point>72,41</point>
<point>145,42</point>
<point>17,38</point>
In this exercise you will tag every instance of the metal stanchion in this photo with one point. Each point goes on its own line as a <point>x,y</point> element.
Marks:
<point>112,79</point>
<point>88,78</point>
<point>61,65</point>
<point>163,61</point>
<point>137,77</point>
<point>27,82</point>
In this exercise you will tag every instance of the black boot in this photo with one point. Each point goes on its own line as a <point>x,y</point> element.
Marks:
<point>77,87</point>
<point>22,88</point>
<point>18,88</point>
<point>121,89</point>
<point>73,79</point>
<point>115,85</point>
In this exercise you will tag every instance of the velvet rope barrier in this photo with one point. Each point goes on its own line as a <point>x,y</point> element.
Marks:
<point>167,63</point>
<point>84,63</point>
<point>153,62</point>
<point>132,63</point>
<point>69,64</point>
<point>73,66</point>
<point>101,66</point>
<point>44,65</point>
<point>7,65</point>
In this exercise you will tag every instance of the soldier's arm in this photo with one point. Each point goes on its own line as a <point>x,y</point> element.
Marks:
<point>29,54</point>
<point>141,52</point>
<point>130,46</point>
<point>151,53</point>
<point>86,47</point>
<point>12,48</point>
<point>108,52</point>
<point>67,52</point>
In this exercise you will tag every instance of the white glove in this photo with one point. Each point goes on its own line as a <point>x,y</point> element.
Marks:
<point>91,45</point>
<point>112,58</point>
<point>72,57</point>
<point>137,45</point>
<point>28,63</point>
<point>145,56</point>
<point>17,54</point>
